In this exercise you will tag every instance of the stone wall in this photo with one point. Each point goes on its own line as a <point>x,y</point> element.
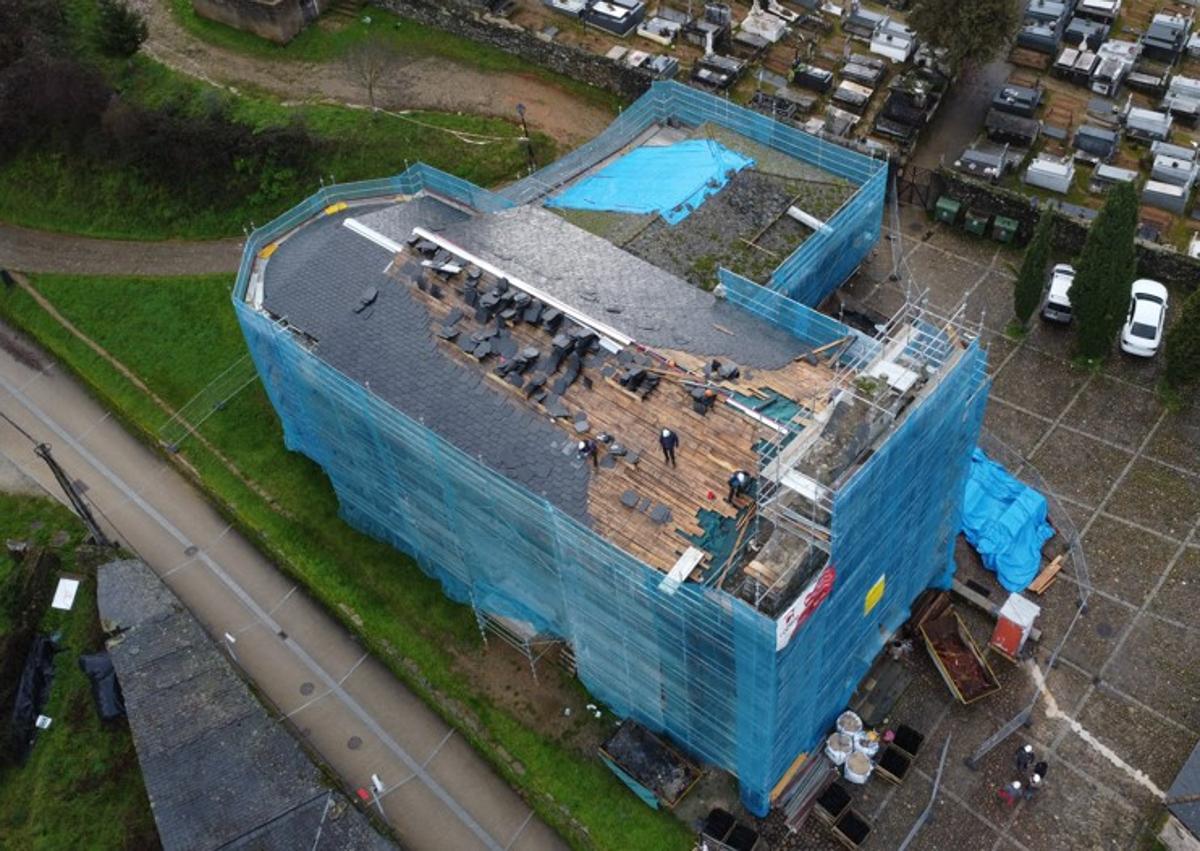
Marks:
<point>276,20</point>
<point>1154,261</point>
<point>469,19</point>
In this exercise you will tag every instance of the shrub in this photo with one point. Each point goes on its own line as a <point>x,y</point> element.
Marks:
<point>121,30</point>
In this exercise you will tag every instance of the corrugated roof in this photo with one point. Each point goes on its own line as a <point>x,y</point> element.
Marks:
<point>219,771</point>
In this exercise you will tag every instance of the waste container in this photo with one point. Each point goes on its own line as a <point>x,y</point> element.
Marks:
<point>947,210</point>
<point>1004,229</point>
<point>977,223</point>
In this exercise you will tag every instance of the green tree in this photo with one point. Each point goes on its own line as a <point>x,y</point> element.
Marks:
<point>972,32</point>
<point>1183,345</point>
<point>1027,290</point>
<point>1100,292</point>
<point>122,30</point>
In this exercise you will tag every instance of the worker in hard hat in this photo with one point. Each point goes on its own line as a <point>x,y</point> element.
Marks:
<point>739,483</point>
<point>587,449</point>
<point>669,441</point>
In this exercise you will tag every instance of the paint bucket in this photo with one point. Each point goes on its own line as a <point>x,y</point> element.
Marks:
<point>857,768</point>
<point>868,743</point>
<point>849,723</point>
<point>837,747</point>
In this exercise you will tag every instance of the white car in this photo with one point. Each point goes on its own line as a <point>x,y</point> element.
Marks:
<point>1058,302</point>
<point>1143,331</point>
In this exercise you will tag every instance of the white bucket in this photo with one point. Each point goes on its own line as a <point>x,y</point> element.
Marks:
<point>849,723</point>
<point>867,743</point>
<point>858,768</point>
<point>837,747</point>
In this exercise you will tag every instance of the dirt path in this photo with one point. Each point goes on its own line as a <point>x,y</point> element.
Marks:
<point>43,251</point>
<point>430,83</point>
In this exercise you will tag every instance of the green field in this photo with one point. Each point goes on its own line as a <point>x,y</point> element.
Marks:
<point>177,334</point>
<point>82,787</point>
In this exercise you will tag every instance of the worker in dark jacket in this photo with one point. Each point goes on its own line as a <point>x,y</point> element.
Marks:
<point>1025,759</point>
<point>587,449</point>
<point>739,483</point>
<point>669,441</point>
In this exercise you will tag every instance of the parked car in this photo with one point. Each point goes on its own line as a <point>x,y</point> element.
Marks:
<point>1057,307</point>
<point>1143,331</point>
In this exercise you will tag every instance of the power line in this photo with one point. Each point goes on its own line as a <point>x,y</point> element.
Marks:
<point>17,426</point>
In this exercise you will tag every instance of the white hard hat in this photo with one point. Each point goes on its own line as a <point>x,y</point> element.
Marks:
<point>582,445</point>
<point>1016,784</point>
<point>666,432</point>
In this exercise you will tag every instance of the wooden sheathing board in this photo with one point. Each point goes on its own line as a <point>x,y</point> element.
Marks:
<point>711,448</point>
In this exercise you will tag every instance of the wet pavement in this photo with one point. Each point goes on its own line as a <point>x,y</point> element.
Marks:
<point>1126,687</point>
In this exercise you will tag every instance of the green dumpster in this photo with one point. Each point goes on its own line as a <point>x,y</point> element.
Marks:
<point>977,223</point>
<point>947,210</point>
<point>1004,229</point>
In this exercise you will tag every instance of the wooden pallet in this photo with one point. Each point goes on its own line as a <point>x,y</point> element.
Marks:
<point>1047,577</point>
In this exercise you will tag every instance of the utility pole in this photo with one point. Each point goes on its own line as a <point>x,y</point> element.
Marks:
<point>42,450</point>
<point>528,141</point>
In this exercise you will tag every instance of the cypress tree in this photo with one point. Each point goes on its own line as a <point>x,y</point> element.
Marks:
<point>1183,345</point>
<point>1100,293</point>
<point>1027,289</point>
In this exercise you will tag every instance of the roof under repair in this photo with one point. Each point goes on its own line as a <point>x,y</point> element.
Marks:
<point>515,334</point>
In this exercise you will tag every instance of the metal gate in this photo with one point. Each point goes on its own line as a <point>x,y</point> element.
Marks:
<point>918,186</point>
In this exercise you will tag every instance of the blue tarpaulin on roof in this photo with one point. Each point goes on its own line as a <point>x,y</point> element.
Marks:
<point>672,180</point>
<point>1005,521</point>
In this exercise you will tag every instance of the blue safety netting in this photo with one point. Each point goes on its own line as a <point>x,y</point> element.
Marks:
<point>671,180</point>
<point>813,327</point>
<point>1005,521</point>
<point>824,260</point>
<point>698,664</point>
<point>695,663</point>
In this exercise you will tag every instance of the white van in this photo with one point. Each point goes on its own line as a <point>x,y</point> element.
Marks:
<point>1058,303</point>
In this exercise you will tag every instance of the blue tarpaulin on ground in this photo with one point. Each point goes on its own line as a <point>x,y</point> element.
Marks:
<point>1005,521</point>
<point>672,180</point>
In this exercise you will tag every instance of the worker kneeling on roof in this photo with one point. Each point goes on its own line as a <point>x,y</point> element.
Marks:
<point>739,483</point>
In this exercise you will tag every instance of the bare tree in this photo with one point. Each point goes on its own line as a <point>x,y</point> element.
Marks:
<point>374,62</point>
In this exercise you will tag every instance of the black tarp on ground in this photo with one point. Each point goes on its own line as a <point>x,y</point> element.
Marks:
<point>32,693</point>
<point>106,691</point>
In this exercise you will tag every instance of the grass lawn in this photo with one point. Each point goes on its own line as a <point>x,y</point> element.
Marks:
<point>329,38</point>
<point>82,787</point>
<point>177,335</point>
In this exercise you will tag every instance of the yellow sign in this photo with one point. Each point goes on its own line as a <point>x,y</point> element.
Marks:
<point>874,595</point>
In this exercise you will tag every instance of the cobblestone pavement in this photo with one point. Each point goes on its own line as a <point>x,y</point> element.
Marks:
<point>1128,473</point>
<point>43,251</point>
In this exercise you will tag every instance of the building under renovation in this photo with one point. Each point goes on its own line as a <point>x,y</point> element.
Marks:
<point>440,351</point>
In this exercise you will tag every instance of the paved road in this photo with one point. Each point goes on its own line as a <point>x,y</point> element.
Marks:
<point>43,251</point>
<point>438,793</point>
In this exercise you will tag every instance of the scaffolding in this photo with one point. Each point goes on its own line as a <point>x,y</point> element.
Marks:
<point>519,635</point>
<point>747,679</point>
